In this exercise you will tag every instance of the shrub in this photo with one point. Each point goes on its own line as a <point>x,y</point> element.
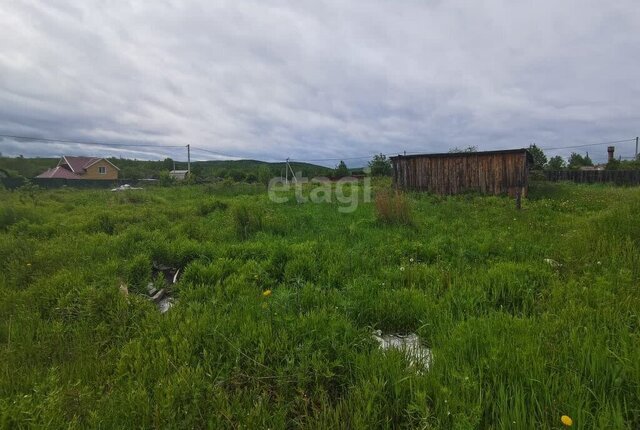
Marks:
<point>393,208</point>
<point>210,206</point>
<point>247,220</point>
<point>8,217</point>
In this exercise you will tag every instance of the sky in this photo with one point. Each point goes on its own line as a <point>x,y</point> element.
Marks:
<point>318,80</point>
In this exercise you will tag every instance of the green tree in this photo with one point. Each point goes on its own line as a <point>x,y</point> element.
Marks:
<point>167,164</point>
<point>237,175</point>
<point>165,179</point>
<point>614,165</point>
<point>577,161</point>
<point>341,170</point>
<point>197,170</point>
<point>539,158</point>
<point>587,160</point>
<point>556,163</point>
<point>380,165</point>
<point>471,148</point>
<point>264,175</point>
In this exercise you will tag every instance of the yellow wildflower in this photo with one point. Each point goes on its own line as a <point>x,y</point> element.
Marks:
<point>566,420</point>
<point>266,293</point>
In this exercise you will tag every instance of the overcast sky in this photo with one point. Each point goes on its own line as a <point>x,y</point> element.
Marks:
<point>318,79</point>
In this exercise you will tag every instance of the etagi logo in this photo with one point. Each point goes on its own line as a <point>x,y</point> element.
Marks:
<point>346,191</point>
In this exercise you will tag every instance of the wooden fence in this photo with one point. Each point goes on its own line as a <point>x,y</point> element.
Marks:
<point>618,177</point>
<point>489,172</point>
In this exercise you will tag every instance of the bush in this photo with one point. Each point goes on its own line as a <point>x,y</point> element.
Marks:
<point>393,208</point>
<point>247,220</point>
<point>8,217</point>
<point>210,206</point>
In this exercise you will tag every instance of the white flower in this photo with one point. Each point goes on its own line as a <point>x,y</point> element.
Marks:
<point>402,268</point>
<point>411,260</point>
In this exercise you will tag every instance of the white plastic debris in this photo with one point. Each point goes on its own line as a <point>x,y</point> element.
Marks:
<point>165,304</point>
<point>125,187</point>
<point>409,344</point>
<point>552,263</point>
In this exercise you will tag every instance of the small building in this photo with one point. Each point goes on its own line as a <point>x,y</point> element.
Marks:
<point>179,175</point>
<point>82,168</point>
<point>488,172</point>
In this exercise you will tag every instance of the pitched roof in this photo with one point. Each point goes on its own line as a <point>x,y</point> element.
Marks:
<point>78,164</point>
<point>58,172</point>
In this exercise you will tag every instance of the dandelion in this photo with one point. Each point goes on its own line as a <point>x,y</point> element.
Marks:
<point>402,268</point>
<point>411,260</point>
<point>566,420</point>
<point>266,293</point>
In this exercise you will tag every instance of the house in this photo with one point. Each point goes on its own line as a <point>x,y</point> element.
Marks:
<point>82,168</point>
<point>488,172</point>
<point>179,175</point>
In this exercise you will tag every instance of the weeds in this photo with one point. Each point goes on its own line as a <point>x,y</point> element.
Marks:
<point>210,206</point>
<point>393,208</point>
<point>247,219</point>
<point>515,342</point>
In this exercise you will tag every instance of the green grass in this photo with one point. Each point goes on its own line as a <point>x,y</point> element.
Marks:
<point>516,342</point>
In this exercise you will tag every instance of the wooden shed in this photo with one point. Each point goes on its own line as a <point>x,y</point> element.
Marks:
<point>488,172</point>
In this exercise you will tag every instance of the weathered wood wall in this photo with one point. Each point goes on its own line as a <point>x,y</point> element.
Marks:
<point>494,172</point>
<point>618,177</point>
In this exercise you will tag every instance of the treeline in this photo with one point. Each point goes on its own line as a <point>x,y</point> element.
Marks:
<point>235,170</point>
<point>576,161</point>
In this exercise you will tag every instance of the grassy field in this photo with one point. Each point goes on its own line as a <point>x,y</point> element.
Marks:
<point>517,341</point>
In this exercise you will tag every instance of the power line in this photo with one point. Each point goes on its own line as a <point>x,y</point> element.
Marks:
<point>589,144</point>
<point>214,152</point>
<point>79,142</point>
<point>331,159</point>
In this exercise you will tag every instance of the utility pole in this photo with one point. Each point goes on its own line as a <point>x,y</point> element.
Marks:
<point>636,147</point>
<point>188,160</point>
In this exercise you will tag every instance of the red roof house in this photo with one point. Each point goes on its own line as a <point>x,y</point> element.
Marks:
<point>82,168</point>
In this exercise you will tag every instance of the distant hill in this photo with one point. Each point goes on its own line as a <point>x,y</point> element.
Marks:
<point>238,170</point>
<point>27,167</point>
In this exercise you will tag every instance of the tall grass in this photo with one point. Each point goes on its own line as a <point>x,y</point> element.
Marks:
<point>516,342</point>
<point>393,208</point>
<point>247,219</point>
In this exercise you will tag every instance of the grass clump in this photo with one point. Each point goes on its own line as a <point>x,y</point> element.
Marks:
<point>393,208</point>
<point>210,206</point>
<point>247,219</point>
<point>8,217</point>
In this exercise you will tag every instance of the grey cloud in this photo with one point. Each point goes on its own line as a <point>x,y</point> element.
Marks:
<point>309,80</point>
